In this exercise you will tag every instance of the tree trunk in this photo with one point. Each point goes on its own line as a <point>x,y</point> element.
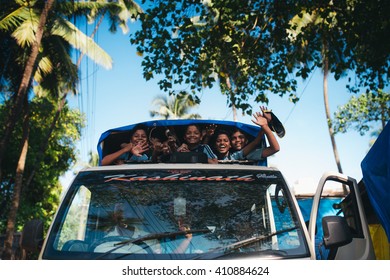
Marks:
<point>11,222</point>
<point>15,111</point>
<point>229,86</point>
<point>234,113</point>
<point>328,118</point>
<point>383,115</point>
<point>25,84</point>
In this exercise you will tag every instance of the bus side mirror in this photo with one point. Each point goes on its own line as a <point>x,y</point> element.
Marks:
<point>336,232</point>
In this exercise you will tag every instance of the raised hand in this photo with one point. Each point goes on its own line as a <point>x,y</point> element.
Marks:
<point>172,143</point>
<point>183,148</point>
<point>259,119</point>
<point>266,113</point>
<point>127,146</point>
<point>157,146</point>
<point>140,148</point>
<point>210,129</point>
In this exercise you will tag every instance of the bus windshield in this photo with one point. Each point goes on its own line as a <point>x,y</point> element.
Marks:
<point>177,214</point>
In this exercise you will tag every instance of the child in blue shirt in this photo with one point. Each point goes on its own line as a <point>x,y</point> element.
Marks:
<point>193,143</point>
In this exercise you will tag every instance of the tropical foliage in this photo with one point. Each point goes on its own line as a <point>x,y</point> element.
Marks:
<point>367,112</point>
<point>246,47</point>
<point>250,49</point>
<point>40,198</point>
<point>199,43</point>
<point>174,107</point>
<point>36,55</point>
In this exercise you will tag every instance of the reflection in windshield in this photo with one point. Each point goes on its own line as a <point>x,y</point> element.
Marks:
<point>177,214</point>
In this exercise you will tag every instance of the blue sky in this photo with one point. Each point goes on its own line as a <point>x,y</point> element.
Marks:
<point>120,96</point>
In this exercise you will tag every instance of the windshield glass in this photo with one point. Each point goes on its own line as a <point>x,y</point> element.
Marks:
<point>177,214</point>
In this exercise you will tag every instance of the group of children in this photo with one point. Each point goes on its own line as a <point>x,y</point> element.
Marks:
<point>226,146</point>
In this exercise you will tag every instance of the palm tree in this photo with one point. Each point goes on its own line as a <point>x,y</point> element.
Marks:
<point>174,107</point>
<point>127,10</point>
<point>20,96</point>
<point>314,19</point>
<point>28,29</point>
<point>327,109</point>
<point>25,26</point>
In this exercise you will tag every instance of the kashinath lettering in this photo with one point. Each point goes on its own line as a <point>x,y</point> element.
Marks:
<point>179,177</point>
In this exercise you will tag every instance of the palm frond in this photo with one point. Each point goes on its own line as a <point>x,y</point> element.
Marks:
<point>81,42</point>
<point>44,67</point>
<point>24,34</point>
<point>91,8</point>
<point>174,107</point>
<point>129,9</point>
<point>14,19</point>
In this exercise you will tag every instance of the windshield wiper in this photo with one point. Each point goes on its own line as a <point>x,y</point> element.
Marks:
<point>237,245</point>
<point>151,236</point>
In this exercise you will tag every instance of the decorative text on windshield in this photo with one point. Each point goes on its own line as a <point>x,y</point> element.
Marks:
<point>179,177</point>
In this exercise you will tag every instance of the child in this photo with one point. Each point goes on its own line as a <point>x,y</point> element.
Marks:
<point>162,150</point>
<point>223,144</point>
<point>132,151</point>
<point>239,140</point>
<point>193,143</point>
